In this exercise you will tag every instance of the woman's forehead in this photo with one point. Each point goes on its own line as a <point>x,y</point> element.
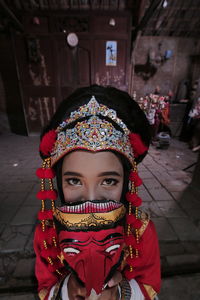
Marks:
<point>89,159</point>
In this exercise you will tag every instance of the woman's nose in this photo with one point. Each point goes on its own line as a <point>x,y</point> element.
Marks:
<point>92,192</point>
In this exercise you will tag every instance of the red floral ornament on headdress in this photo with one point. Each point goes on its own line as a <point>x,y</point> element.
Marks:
<point>137,144</point>
<point>47,142</point>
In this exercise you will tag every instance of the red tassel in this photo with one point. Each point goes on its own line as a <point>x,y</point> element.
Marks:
<point>45,215</point>
<point>134,199</point>
<point>51,233</point>
<point>47,142</point>
<point>42,195</point>
<point>45,173</point>
<point>137,224</point>
<point>51,195</point>
<point>137,144</point>
<point>47,236</point>
<point>135,178</point>
<point>40,172</point>
<point>131,219</point>
<point>50,173</point>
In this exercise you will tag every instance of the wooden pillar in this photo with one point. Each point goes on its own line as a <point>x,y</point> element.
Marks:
<point>196,175</point>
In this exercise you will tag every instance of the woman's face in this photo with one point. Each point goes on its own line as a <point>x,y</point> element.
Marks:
<point>92,176</point>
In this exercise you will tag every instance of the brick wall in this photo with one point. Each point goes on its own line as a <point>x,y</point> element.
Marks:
<point>170,73</point>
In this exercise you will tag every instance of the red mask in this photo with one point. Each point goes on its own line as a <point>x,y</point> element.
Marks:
<point>93,253</point>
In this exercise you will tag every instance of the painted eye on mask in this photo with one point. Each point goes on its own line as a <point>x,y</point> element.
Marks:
<point>112,249</point>
<point>71,251</point>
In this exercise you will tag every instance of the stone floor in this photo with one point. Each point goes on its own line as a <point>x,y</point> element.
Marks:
<point>167,195</point>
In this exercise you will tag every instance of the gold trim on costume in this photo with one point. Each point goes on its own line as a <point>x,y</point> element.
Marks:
<point>150,291</point>
<point>145,218</point>
<point>89,220</point>
<point>42,294</point>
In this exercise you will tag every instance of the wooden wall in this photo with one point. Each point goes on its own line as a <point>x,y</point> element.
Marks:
<point>49,69</point>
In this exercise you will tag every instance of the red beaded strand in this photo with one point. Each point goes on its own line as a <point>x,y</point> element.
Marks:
<point>133,223</point>
<point>45,173</point>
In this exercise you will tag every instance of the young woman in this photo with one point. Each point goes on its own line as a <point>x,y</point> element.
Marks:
<point>97,244</point>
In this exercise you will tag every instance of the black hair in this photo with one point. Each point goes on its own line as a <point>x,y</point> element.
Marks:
<point>127,109</point>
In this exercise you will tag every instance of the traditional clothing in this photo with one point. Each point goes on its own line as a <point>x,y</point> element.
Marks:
<point>118,237</point>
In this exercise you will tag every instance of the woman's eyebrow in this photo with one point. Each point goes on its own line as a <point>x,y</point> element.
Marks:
<point>70,173</point>
<point>108,173</point>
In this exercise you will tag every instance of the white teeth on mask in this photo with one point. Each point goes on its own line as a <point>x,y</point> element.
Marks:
<point>90,207</point>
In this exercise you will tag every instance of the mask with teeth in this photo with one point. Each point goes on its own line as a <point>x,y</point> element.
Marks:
<point>91,237</point>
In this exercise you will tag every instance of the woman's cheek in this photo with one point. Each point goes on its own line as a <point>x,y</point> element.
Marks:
<point>116,195</point>
<point>71,196</point>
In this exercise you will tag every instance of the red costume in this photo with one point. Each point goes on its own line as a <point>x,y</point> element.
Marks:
<point>92,236</point>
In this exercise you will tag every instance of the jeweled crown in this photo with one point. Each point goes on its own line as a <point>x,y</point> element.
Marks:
<point>93,108</point>
<point>93,134</point>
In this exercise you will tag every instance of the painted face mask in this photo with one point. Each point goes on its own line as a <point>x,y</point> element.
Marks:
<point>91,238</point>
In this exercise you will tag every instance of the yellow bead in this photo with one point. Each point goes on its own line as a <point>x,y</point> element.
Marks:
<point>58,272</point>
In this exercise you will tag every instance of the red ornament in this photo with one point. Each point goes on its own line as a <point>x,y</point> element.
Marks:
<point>42,195</point>
<point>40,172</point>
<point>45,215</point>
<point>47,142</point>
<point>51,195</point>
<point>134,177</point>
<point>137,144</point>
<point>134,199</point>
<point>50,173</point>
<point>47,235</point>
<point>131,219</point>
<point>45,173</point>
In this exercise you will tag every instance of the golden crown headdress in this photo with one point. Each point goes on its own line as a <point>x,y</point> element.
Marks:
<point>93,133</point>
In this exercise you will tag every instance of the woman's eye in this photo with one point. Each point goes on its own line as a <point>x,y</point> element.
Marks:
<point>73,181</point>
<point>110,181</point>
